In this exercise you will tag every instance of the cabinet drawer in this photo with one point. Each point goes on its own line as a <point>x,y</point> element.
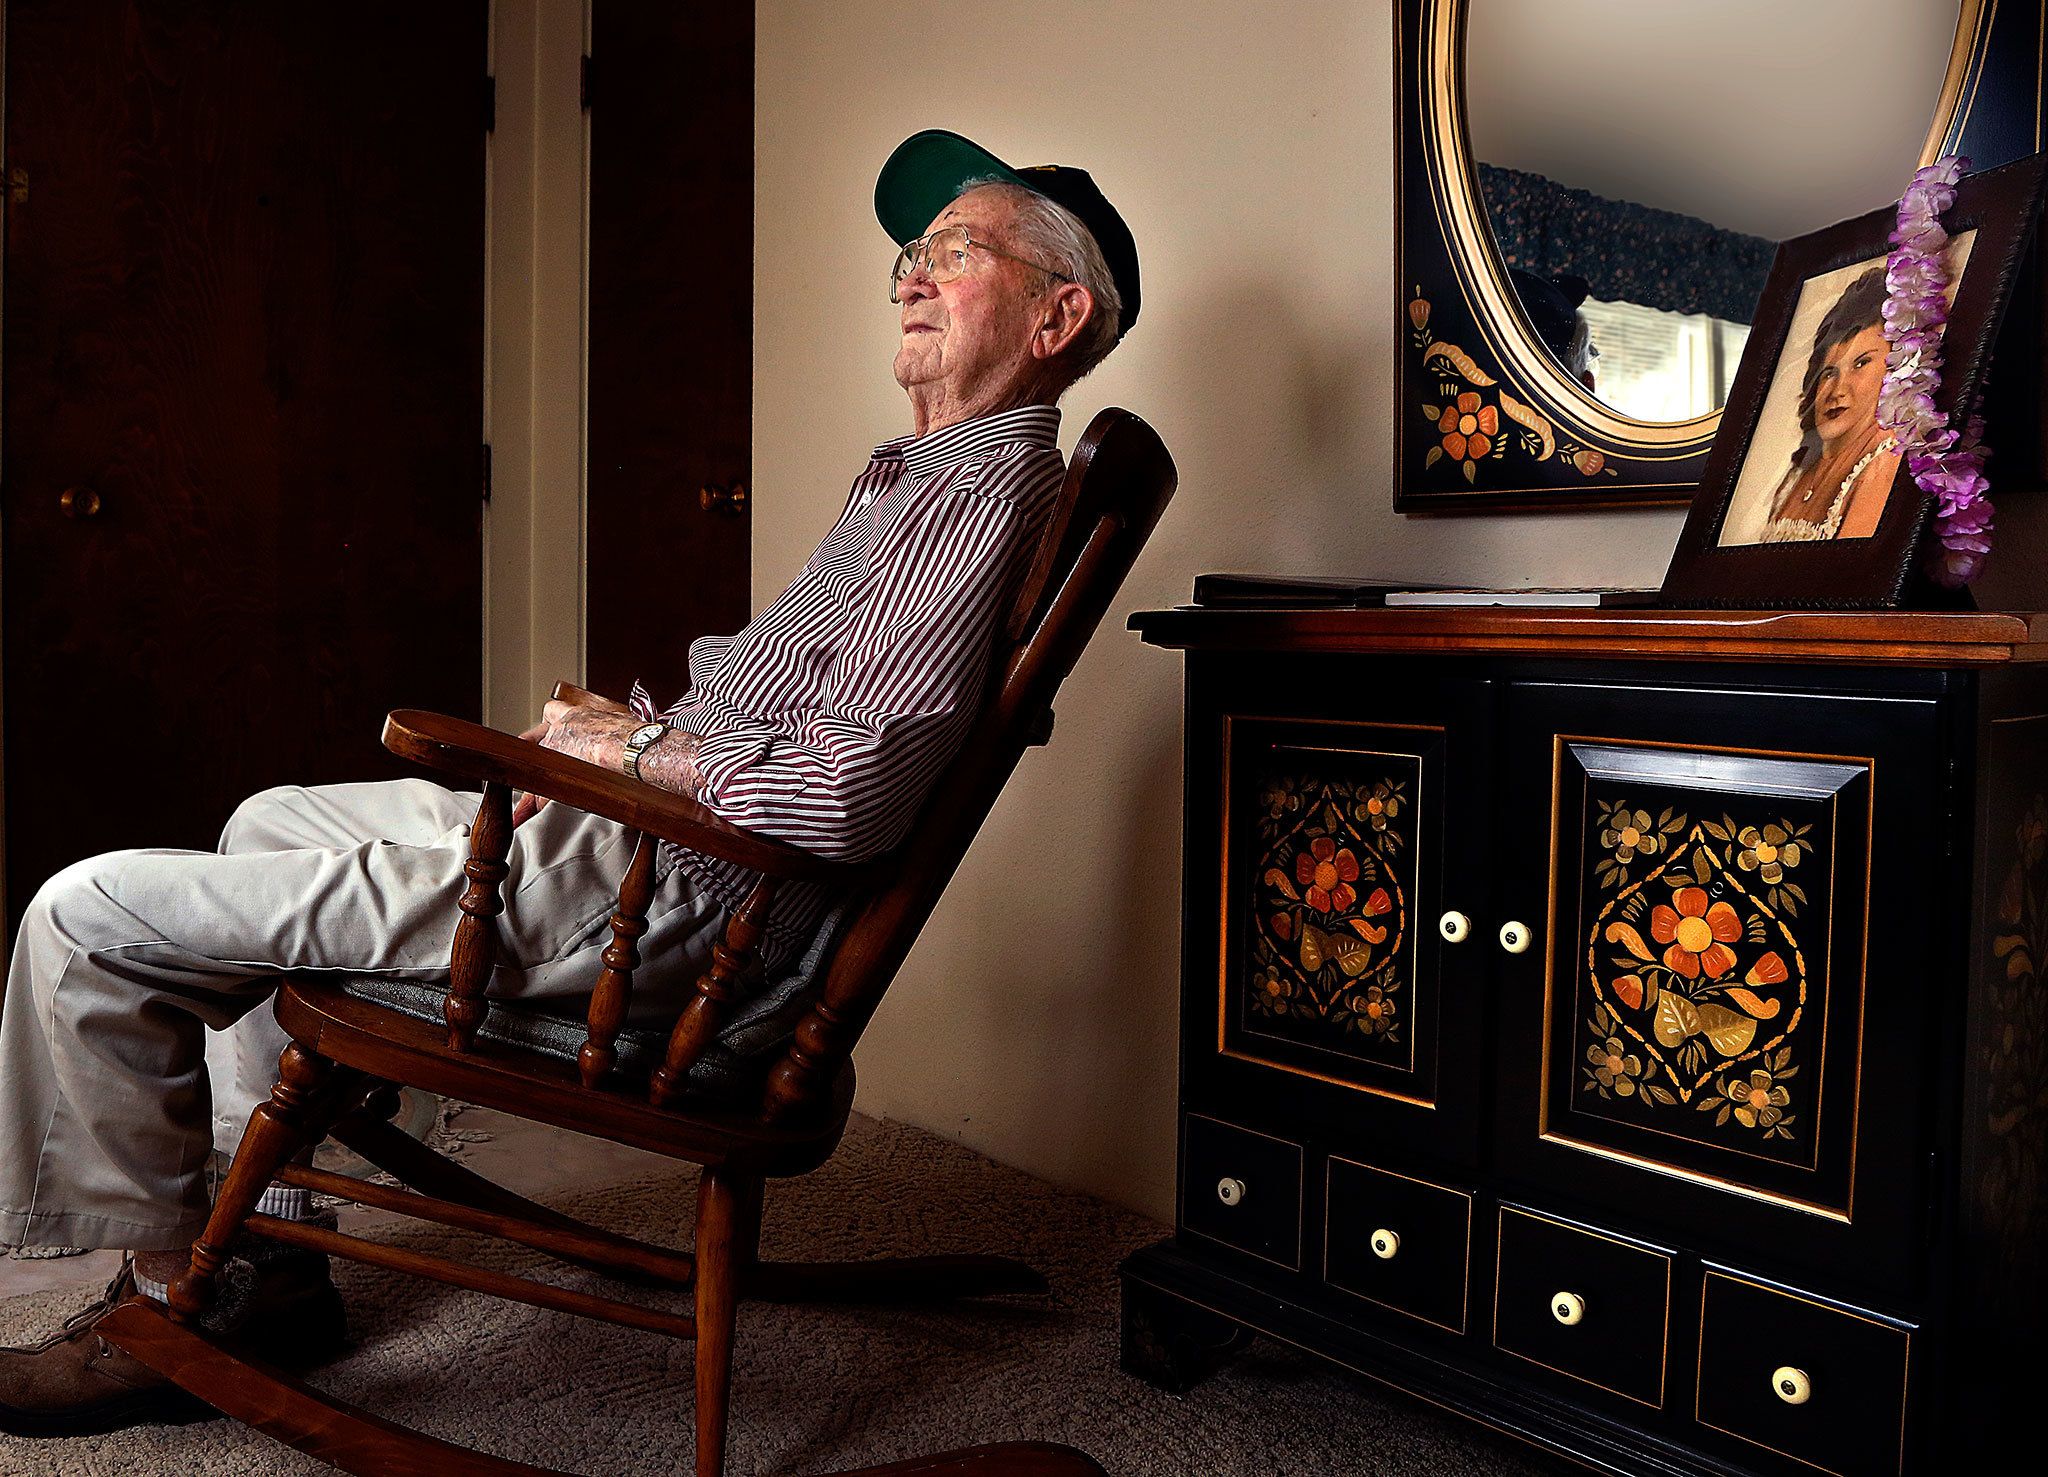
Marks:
<point>1583,1303</point>
<point>1243,1189</point>
<point>1402,1243</point>
<point>1804,1378</point>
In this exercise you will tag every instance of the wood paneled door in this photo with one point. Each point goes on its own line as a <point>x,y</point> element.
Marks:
<point>243,404</point>
<point>671,99</point>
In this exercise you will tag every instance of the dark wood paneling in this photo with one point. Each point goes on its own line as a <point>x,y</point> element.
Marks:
<point>1822,1384</point>
<point>1866,638</point>
<point>1412,1092</point>
<point>1901,1194</point>
<point>244,307</point>
<point>1842,1185</point>
<point>671,333</point>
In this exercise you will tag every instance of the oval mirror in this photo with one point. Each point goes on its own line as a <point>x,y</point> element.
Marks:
<point>1638,165</point>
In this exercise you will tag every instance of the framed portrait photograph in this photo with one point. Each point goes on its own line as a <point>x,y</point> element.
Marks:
<point>1805,499</point>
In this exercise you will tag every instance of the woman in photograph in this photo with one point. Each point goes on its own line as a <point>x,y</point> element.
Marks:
<point>1842,472</point>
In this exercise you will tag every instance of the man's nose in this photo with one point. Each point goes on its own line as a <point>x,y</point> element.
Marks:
<point>917,286</point>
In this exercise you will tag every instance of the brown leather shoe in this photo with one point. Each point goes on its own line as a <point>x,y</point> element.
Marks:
<point>75,1383</point>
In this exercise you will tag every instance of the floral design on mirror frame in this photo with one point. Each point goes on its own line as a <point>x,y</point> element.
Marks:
<point>1696,982</point>
<point>1329,910</point>
<point>1473,425</point>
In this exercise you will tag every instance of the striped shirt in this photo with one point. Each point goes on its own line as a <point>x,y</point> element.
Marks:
<point>826,721</point>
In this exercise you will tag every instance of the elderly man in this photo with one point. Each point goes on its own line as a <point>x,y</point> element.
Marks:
<point>824,722</point>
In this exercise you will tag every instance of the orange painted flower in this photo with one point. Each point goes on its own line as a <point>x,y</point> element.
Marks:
<point>1466,427</point>
<point>1327,873</point>
<point>1698,935</point>
<point>1588,461</point>
<point>1418,312</point>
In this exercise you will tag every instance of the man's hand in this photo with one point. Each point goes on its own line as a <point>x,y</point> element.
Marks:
<point>580,699</point>
<point>595,730</point>
<point>587,733</point>
<point>598,734</point>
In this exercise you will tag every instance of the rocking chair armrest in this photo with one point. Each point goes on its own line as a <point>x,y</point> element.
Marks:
<point>472,751</point>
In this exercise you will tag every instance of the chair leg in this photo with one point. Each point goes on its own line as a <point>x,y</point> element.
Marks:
<point>728,1237</point>
<point>278,1129</point>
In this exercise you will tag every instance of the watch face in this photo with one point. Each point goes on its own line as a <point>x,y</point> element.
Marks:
<point>647,733</point>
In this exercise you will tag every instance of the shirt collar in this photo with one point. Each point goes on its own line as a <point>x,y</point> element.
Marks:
<point>1027,425</point>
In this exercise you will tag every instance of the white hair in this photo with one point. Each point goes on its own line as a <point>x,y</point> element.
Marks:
<point>1059,239</point>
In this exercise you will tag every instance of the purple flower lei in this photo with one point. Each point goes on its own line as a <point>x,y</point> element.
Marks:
<point>1944,462</point>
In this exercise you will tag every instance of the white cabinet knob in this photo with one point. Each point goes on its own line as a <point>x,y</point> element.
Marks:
<point>1514,937</point>
<point>1385,1244</point>
<point>1229,1191</point>
<point>1455,927</point>
<point>1791,1385</point>
<point>1567,1307</point>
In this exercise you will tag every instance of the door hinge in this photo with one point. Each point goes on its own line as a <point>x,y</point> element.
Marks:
<point>17,186</point>
<point>583,87</point>
<point>487,471</point>
<point>490,104</point>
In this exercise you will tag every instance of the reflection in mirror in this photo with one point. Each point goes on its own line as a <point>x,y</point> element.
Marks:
<point>1640,163</point>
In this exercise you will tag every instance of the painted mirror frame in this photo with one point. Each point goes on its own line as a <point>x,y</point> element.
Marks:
<point>1464,344</point>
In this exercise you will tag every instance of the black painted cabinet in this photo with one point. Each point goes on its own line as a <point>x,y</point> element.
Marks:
<point>1643,1055</point>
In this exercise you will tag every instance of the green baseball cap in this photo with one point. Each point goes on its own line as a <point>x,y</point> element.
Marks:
<point>924,175</point>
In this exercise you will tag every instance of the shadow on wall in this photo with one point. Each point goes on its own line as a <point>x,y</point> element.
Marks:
<point>1110,975</point>
<point>1267,412</point>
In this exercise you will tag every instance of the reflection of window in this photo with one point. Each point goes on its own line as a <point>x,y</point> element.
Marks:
<point>1660,366</point>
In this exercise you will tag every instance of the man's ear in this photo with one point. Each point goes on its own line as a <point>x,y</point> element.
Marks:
<point>1069,308</point>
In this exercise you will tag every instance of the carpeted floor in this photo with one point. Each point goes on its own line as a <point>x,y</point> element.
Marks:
<point>816,1389</point>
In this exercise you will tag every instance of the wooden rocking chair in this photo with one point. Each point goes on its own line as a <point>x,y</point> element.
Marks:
<point>339,1075</point>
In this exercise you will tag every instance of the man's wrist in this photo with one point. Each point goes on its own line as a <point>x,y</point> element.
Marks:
<point>641,738</point>
<point>670,763</point>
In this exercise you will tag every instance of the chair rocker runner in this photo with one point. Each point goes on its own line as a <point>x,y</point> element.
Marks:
<point>347,1054</point>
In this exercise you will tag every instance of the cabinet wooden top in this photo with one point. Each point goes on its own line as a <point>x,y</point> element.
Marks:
<point>1893,638</point>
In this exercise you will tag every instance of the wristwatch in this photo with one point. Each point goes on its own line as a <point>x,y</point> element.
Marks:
<point>638,742</point>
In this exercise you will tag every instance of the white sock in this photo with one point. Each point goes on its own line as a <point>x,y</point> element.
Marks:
<point>286,1202</point>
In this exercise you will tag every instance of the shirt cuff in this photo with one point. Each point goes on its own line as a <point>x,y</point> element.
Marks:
<point>738,775</point>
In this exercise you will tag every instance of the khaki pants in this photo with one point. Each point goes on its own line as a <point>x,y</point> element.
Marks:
<point>124,962</point>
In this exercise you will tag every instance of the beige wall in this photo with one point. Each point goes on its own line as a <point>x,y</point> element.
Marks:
<point>1035,1020</point>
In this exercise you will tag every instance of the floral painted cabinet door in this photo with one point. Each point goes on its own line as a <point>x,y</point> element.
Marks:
<point>1704,985</point>
<point>1334,964</point>
<point>1716,945</point>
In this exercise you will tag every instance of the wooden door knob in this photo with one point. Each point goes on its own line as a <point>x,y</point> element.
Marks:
<point>79,502</point>
<point>729,500</point>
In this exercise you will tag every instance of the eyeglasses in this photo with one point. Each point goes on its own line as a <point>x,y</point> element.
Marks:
<point>943,255</point>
